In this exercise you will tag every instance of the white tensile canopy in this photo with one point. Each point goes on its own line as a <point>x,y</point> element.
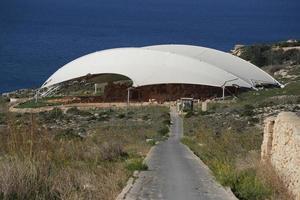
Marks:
<point>166,64</point>
<point>228,62</point>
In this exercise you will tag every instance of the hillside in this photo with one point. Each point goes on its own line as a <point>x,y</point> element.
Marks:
<point>91,153</point>
<point>229,135</point>
<point>76,154</point>
<point>280,53</point>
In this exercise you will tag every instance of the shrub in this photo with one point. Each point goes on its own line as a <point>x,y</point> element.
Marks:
<point>121,115</point>
<point>263,55</point>
<point>249,187</point>
<point>247,110</point>
<point>189,114</point>
<point>151,142</point>
<point>296,108</point>
<point>106,112</point>
<point>67,134</point>
<point>224,172</point>
<point>254,120</point>
<point>111,151</point>
<point>256,54</point>
<point>203,113</point>
<point>76,111</point>
<point>103,118</point>
<point>145,117</point>
<point>163,131</point>
<point>54,114</point>
<point>165,115</point>
<point>166,121</point>
<point>130,112</point>
<point>136,164</point>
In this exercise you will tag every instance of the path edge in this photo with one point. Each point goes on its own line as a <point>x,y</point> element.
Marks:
<point>227,189</point>
<point>135,175</point>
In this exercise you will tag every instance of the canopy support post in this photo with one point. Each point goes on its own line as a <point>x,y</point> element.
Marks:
<point>96,87</point>
<point>224,87</point>
<point>128,96</point>
<point>223,92</point>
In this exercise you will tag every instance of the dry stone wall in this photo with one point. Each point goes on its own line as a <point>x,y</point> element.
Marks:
<point>281,147</point>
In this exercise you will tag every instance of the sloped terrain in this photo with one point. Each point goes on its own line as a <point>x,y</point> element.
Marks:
<point>229,135</point>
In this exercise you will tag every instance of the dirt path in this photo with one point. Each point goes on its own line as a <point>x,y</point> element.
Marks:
<point>175,173</point>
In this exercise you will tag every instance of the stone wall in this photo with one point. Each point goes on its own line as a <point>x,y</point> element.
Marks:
<point>281,147</point>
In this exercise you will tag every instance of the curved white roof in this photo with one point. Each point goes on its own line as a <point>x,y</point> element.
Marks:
<point>163,64</point>
<point>228,62</point>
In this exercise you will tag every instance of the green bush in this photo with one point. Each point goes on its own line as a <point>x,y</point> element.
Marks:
<point>163,131</point>
<point>106,112</point>
<point>189,114</point>
<point>224,172</point>
<point>254,120</point>
<point>103,118</point>
<point>263,55</point>
<point>167,121</point>
<point>151,142</point>
<point>288,44</point>
<point>54,114</point>
<point>249,187</point>
<point>256,54</point>
<point>244,184</point>
<point>130,112</point>
<point>67,134</point>
<point>76,111</point>
<point>248,110</point>
<point>145,117</point>
<point>165,115</point>
<point>136,164</point>
<point>121,116</point>
<point>203,113</point>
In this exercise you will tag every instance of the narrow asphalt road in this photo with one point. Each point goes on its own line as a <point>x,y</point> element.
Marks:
<point>175,173</point>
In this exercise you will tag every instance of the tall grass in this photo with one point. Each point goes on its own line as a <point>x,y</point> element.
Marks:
<point>231,148</point>
<point>36,164</point>
<point>220,154</point>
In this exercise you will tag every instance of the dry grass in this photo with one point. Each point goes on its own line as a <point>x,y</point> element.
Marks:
<point>269,176</point>
<point>36,164</point>
<point>233,155</point>
<point>25,179</point>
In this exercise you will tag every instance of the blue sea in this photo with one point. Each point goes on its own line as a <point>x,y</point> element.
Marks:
<point>39,36</point>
